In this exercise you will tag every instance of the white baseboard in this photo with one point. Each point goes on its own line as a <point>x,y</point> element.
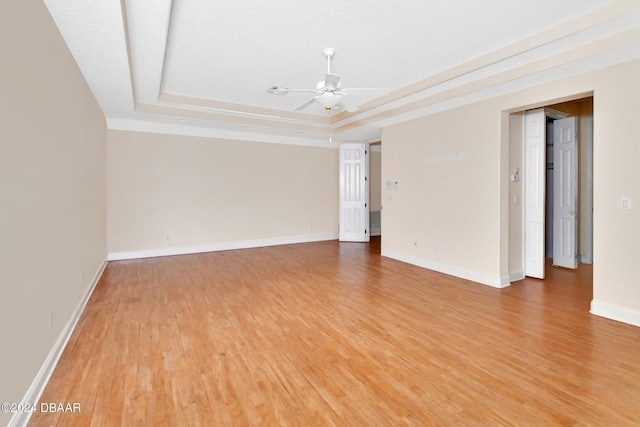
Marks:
<point>222,246</point>
<point>34,392</point>
<point>514,276</point>
<point>615,312</point>
<point>586,259</point>
<point>485,279</point>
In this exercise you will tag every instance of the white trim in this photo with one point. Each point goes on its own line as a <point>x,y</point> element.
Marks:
<point>221,246</point>
<point>34,392</point>
<point>586,259</point>
<point>485,279</point>
<point>155,123</point>
<point>579,67</point>
<point>615,312</point>
<point>514,276</point>
<point>148,126</point>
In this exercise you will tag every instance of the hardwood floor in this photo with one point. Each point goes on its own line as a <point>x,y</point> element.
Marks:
<point>332,334</point>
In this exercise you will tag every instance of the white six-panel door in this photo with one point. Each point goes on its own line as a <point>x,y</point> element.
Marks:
<point>534,192</point>
<point>354,193</point>
<point>565,193</point>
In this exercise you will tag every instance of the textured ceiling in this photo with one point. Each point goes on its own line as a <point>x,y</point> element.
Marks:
<point>234,50</point>
<point>204,64</point>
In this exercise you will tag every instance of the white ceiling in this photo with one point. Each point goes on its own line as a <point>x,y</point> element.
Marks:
<point>204,67</point>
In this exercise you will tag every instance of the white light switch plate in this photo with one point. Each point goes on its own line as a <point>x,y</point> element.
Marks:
<point>625,203</point>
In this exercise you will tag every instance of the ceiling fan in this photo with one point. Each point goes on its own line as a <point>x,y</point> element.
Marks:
<point>330,94</point>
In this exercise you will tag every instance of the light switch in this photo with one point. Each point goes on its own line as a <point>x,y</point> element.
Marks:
<point>625,203</point>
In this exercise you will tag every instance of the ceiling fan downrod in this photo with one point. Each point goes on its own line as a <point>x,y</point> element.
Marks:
<point>329,52</point>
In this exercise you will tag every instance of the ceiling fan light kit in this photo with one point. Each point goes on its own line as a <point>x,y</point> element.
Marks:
<point>329,91</point>
<point>328,100</point>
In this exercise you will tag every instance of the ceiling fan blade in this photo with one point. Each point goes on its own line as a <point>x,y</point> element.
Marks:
<point>304,90</point>
<point>305,104</point>
<point>329,91</point>
<point>331,81</point>
<point>382,90</point>
<point>279,90</point>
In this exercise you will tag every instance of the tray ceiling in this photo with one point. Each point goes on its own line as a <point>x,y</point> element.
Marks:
<point>205,67</point>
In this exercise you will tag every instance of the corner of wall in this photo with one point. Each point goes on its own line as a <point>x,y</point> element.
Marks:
<point>615,312</point>
<point>474,276</point>
<point>35,390</point>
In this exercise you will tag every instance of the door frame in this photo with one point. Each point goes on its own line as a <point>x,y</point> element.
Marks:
<point>353,225</point>
<point>536,267</point>
<point>514,122</point>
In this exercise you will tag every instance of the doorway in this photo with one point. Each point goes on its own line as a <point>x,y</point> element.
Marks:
<point>520,265</point>
<point>360,206</point>
<point>375,189</point>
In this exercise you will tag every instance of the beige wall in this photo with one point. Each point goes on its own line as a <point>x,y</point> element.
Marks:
<point>169,191</point>
<point>460,203</point>
<point>616,106</point>
<point>446,207</point>
<point>52,192</point>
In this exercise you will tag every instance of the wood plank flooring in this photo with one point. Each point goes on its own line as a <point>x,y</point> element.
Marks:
<point>333,334</point>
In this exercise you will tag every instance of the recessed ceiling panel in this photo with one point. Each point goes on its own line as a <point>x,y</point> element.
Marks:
<point>203,64</point>
<point>233,51</point>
